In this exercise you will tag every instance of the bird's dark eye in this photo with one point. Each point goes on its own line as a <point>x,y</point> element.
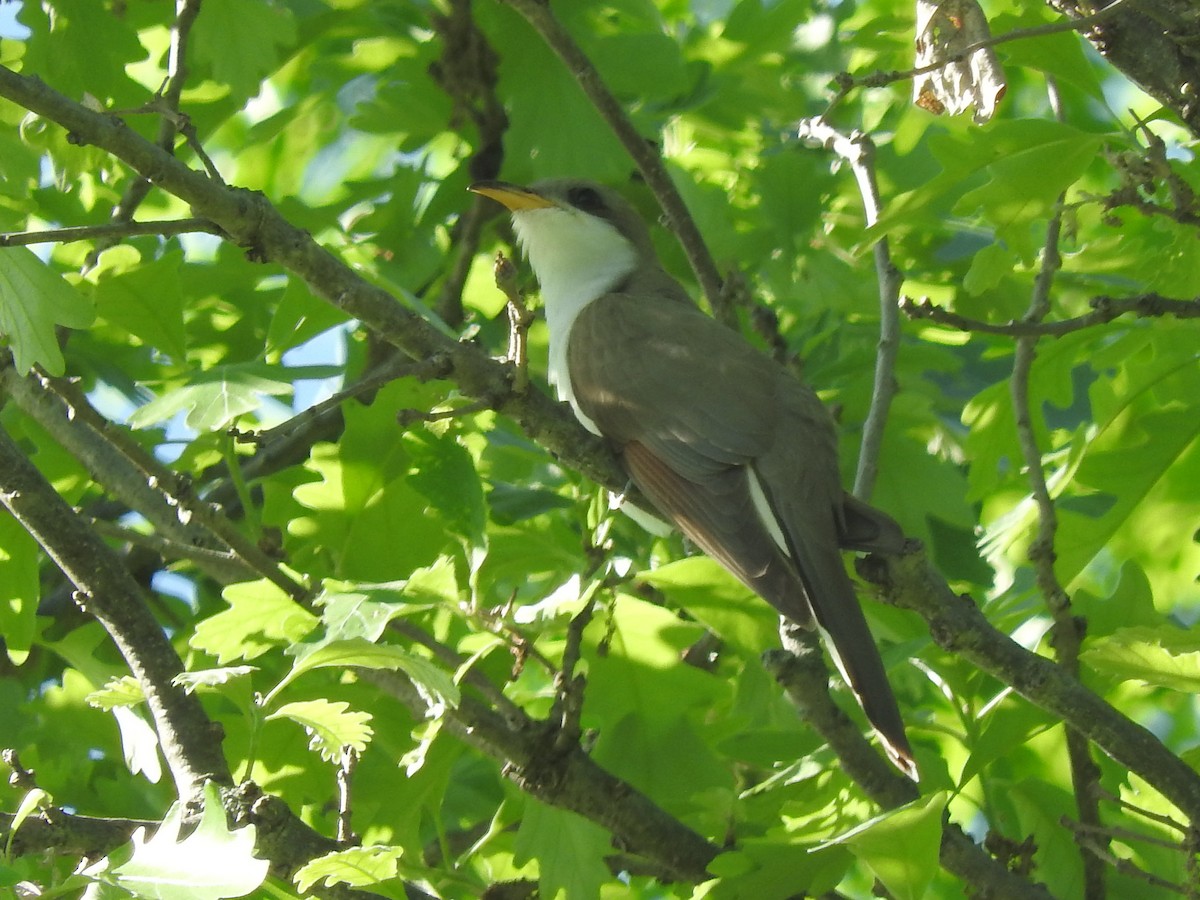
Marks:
<point>585,198</point>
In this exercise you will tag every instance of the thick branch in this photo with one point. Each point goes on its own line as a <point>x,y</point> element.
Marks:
<point>1154,43</point>
<point>108,592</point>
<point>566,777</point>
<point>957,625</point>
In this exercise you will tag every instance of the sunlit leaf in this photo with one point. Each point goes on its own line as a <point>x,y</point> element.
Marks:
<point>211,863</point>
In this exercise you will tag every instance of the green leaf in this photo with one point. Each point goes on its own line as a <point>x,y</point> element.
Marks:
<point>82,47</point>
<point>569,849</point>
<point>189,681</point>
<point>211,863</point>
<point>240,40</point>
<point>139,743</point>
<point>32,801</point>
<point>444,472</point>
<point>1164,655</point>
<point>260,617</point>
<point>365,612</point>
<point>901,846</point>
<point>1025,184</point>
<point>215,398</point>
<point>331,725</point>
<point>718,600</point>
<point>123,691</point>
<point>144,298</point>
<point>20,590</point>
<point>34,299</point>
<point>369,522</point>
<point>775,869</point>
<point>435,684</point>
<point>357,867</point>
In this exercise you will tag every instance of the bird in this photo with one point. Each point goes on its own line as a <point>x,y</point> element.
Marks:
<point>725,442</point>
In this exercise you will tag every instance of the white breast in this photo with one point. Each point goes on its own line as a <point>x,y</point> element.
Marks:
<point>577,258</point>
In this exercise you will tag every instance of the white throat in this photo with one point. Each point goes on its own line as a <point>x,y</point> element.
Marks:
<point>577,257</point>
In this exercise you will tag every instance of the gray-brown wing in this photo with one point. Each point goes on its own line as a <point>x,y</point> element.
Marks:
<point>699,413</point>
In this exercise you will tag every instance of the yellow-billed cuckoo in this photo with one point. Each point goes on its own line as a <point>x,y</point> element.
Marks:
<point>724,441</point>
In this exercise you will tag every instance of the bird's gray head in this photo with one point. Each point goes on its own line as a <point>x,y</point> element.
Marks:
<point>578,235</point>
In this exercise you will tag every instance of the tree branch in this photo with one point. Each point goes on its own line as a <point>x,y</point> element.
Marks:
<point>858,150</point>
<point>563,775</point>
<point>1067,631</point>
<point>957,625</point>
<point>107,592</point>
<point>847,82</point>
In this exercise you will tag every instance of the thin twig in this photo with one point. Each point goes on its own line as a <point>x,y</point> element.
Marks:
<point>238,570</point>
<point>1127,835</point>
<point>858,150</point>
<point>1066,634</point>
<point>519,320</point>
<point>109,231</point>
<point>568,697</point>
<point>345,783</point>
<point>1104,310</point>
<point>1144,813</point>
<point>170,92</point>
<point>1096,846</point>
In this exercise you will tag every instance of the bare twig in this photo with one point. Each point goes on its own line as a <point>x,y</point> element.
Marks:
<point>1144,813</point>
<point>568,697</point>
<point>408,415</point>
<point>1104,310</point>
<point>236,569</point>
<point>519,320</point>
<point>1067,631</point>
<point>110,232</point>
<point>345,783</point>
<point>858,150</point>
<point>21,778</point>
<point>392,369</point>
<point>170,93</point>
<point>1094,842</point>
<point>645,156</point>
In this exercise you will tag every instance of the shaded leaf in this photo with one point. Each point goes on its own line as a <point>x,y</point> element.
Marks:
<point>34,300</point>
